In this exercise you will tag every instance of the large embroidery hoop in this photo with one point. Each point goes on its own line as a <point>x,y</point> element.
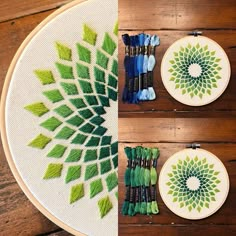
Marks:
<point>195,70</point>
<point>197,173</point>
<point>78,221</point>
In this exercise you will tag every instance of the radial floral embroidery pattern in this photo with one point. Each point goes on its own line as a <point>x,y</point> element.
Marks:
<point>195,70</point>
<point>193,183</point>
<point>79,100</point>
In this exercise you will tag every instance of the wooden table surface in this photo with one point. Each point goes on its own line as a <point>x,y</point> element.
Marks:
<point>170,125</point>
<point>164,123</point>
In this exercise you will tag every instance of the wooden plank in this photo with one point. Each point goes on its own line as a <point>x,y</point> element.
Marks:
<point>12,35</point>
<point>180,14</point>
<point>15,9</point>
<point>226,215</point>
<point>164,101</point>
<point>177,130</point>
<point>177,230</point>
<point>17,215</point>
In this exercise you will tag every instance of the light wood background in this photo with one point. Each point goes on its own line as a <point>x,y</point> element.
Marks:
<point>170,125</point>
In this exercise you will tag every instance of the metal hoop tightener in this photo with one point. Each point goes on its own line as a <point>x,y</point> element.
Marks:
<point>193,145</point>
<point>195,33</point>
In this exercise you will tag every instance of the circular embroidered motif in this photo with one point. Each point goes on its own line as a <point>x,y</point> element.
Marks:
<point>195,70</point>
<point>61,117</point>
<point>193,184</point>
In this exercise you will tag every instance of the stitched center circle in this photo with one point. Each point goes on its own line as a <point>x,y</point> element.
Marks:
<point>195,70</point>
<point>193,183</point>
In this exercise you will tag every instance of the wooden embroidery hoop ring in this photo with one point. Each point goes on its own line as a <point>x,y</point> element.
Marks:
<point>6,148</point>
<point>184,152</point>
<point>213,98</point>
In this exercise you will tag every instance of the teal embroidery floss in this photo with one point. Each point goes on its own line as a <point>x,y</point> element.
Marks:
<point>143,207</point>
<point>137,180</point>
<point>147,179</point>
<point>125,206</point>
<point>155,156</point>
<point>131,211</point>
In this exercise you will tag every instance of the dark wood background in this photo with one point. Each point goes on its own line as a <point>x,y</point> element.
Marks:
<point>170,125</point>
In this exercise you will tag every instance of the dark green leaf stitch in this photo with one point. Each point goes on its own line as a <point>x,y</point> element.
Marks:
<point>90,155</point>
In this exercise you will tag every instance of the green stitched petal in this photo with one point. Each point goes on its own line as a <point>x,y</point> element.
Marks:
<point>99,75</point>
<point>82,71</point>
<point>104,152</point>
<point>78,102</point>
<point>84,53</point>
<point>63,111</point>
<point>37,109</point>
<point>105,206</point>
<point>70,89</point>
<point>101,59</point>
<point>114,68</point>
<point>57,151</point>
<point>77,192</point>
<point>65,133</point>
<point>91,171</point>
<point>75,121</point>
<point>53,95</point>
<point>115,161</point>
<point>45,76</point>
<point>105,166</point>
<point>65,71</point>
<point>53,171</point>
<point>79,139</point>
<point>74,155</point>
<point>89,35</point>
<point>40,141</point>
<point>73,173</point>
<point>95,187</point>
<point>51,124</point>
<point>112,181</point>
<point>90,155</point>
<point>108,44</point>
<point>63,51</point>
<point>115,30</point>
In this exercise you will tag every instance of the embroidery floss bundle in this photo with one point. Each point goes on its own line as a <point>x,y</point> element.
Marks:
<point>141,194</point>
<point>139,64</point>
<point>155,41</point>
<point>125,206</point>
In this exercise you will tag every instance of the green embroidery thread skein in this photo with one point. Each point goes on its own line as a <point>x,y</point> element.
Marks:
<point>155,155</point>
<point>125,206</point>
<point>131,211</point>
<point>143,207</point>
<point>147,179</point>
<point>137,180</point>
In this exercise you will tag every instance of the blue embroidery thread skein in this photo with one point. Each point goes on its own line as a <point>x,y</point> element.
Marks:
<point>140,62</point>
<point>155,41</point>
<point>136,72</point>
<point>126,40</point>
<point>131,69</point>
<point>125,206</point>
<point>144,94</point>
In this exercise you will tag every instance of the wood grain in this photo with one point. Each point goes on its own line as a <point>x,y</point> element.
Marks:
<point>148,130</point>
<point>177,14</point>
<point>177,230</point>
<point>15,9</point>
<point>164,102</point>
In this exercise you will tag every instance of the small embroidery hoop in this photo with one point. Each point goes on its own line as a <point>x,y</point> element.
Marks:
<point>170,85</point>
<point>191,151</point>
<point>5,143</point>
